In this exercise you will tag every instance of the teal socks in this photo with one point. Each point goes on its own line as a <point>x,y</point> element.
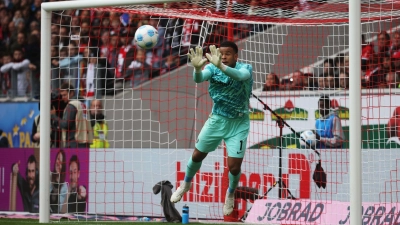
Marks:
<point>191,169</point>
<point>233,181</point>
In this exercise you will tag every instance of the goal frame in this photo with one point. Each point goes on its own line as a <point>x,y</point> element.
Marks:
<point>354,96</point>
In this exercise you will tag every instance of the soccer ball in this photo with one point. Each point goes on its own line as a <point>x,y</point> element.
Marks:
<point>309,137</point>
<point>146,36</point>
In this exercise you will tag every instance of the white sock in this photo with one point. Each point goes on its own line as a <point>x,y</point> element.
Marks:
<point>186,185</point>
<point>228,194</point>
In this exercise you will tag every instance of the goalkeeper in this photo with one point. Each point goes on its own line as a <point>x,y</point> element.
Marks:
<point>230,89</point>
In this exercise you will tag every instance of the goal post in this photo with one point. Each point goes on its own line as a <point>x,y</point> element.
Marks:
<point>355,111</point>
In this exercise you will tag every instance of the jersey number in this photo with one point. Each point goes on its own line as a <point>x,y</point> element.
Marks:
<point>241,145</point>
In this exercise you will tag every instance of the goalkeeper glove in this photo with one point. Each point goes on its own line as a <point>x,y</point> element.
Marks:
<point>196,58</point>
<point>216,58</point>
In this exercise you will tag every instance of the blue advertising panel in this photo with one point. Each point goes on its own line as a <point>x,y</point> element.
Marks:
<point>16,122</point>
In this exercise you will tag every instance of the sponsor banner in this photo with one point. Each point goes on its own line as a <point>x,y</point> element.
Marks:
<point>127,176</point>
<point>16,123</point>
<point>20,190</point>
<point>379,123</point>
<point>305,211</point>
<point>121,181</point>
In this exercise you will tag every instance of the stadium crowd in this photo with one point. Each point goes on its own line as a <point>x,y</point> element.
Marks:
<point>94,50</point>
<point>380,69</point>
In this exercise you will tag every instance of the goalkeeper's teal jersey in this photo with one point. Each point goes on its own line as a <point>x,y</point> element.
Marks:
<point>230,97</point>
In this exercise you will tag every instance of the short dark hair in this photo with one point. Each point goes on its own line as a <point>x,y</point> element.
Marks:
<point>276,79</point>
<point>18,49</point>
<point>339,59</point>
<point>330,61</point>
<point>74,158</point>
<point>230,44</point>
<point>326,100</point>
<point>32,159</point>
<point>387,36</point>
<point>67,87</point>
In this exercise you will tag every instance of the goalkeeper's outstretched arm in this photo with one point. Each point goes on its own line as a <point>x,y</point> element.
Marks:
<point>237,74</point>
<point>201,76</point>
<point>196,57</point>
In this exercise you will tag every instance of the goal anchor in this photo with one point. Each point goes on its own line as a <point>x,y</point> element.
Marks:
<point>280,182</point>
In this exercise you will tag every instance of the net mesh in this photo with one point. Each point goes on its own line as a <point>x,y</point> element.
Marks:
<point>247,11</point>
<point>154,111</point>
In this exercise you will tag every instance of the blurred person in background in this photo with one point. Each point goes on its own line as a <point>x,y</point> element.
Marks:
<point>392,80</point>
<point>5,78</point>
<point>20,72</point>
<point>3,140</point>
<point>367,52</point>
<point>271,82</point>
<point>99,125</point>
<point>331,82</point>
<point>383,43</point>
<point>76,129</point>
<point>296,82</point>
<point>344,80</point>
<point>395,47</point>
<point>327,68</point>
<point>139,70</point>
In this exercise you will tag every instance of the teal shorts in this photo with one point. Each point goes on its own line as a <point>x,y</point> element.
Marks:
<point>233,131</point>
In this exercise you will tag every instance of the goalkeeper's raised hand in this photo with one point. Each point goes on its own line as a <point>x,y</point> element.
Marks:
<point>216,58</point>
<point>196,58</point>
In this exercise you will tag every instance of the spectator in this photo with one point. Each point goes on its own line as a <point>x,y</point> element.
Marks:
<point>322,83</point>
<point>309,79</point>
<point>35,134</point>
<point>20,72</point>
<point>339,64</point>
<point>3,140</point>
<point>396,61</point>
<point>126,52</point>
<point>367,53</point>
<point>76,129</point>
<point>99,125</point>
<point>169,63</point>
<point>328,68</point>
<point>344,80</point>
<point>328,127</point>
<point>28,187</point>
<point>373,76</point>
<point>20,43</point>
<point>395,48</point>
<point>5,78</point>
<point>383,43</point>
<point>392,80</point>
<point>331,82</point>
<point>70,64</point>
<point>17,19</point>
<point>271,82</point>
<point>139,70</point>
<point>36,5</point>
<point>296,81</point>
